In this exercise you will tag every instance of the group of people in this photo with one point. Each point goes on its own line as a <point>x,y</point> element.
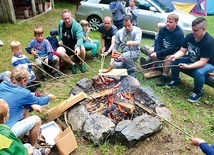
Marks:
<point>170,45</point>
<point>194,53</point>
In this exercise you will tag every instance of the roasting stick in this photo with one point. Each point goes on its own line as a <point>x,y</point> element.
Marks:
<point>79,58</point>
<point>102,60</point>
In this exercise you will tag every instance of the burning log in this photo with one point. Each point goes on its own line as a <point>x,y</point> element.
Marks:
<point>128,107</point>
<point>101,94</point>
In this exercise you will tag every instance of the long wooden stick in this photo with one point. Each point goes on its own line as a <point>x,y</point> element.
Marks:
<point>79,58</point>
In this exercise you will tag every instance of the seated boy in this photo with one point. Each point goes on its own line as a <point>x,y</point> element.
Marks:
<point>10,144</point>
<point>20,59</point>
<point>18,99</point>
<point>89,44</point>
<point>43,53</point>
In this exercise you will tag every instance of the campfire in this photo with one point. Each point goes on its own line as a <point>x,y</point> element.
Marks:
<point>113,106</point>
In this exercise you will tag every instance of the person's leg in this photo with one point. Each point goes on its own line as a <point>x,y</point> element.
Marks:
<point>95,51</point>
<point>92,47</point>
<point>129,58</point>
<point>32,124</point>
<point>82,56</point>
<point>38,62</point>
<point>61,53</point>
<point>55,64</point>
<point>199,77</point>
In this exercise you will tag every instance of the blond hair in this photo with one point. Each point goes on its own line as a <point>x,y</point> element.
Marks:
<point>159,26</point>
<point>19,73</point>
<point>4,111</point>
<point>38,30</point>
<point>173,16</point>
<point>15,44</point>
<point>83,22</point>
<point>65,11</point>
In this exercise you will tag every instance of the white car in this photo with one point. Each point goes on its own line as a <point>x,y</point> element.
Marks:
<point>151,12</point>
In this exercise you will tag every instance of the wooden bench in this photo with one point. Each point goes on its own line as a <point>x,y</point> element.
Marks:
<point>25,8</point>
<point>209,78</point>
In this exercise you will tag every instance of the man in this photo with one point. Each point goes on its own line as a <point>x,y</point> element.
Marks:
<point>128,38</point>
<point>107,34</point>
<point>169,41</point>
<point>200,59</point>
<point>19,100</point>
<point>71,41</point>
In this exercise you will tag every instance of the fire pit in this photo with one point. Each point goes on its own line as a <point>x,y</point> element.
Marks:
<point>112,112</point>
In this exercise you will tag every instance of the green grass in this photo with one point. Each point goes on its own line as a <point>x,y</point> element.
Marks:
<point>195,119</point>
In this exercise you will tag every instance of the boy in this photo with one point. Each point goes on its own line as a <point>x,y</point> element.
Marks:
<point>53,40</point>
<point>20,59</point>
<point>43,52</point>
<point>18,99</point>
<point>10,144</point>
<point>89,44</point>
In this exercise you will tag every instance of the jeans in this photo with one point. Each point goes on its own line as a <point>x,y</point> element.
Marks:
<point>129,58</point>
<point>198,74</point>
<point>93,46</point>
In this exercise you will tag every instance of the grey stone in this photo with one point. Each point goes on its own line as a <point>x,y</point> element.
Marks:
<point>77,116</point>
<point>98,128</point>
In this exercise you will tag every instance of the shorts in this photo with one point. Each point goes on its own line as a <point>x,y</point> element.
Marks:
<point>69,52</point>
<point>24,125</point>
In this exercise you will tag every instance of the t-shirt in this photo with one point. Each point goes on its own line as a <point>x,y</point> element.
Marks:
<point>67,37</point>
<point>107,34</point>
<point>202,49</point>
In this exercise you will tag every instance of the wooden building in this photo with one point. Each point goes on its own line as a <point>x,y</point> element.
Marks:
<point>12,10</point>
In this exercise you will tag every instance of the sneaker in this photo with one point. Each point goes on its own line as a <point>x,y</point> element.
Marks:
<point>144,61</point>
<point>162,81</point>
<point>74,69</point>
<point>82,68</point>
<point>95,59</point>
<point>171,84</point>
<point>194,97</point>
<point>145,49</point>
<point>56,75</point>
<point>45,78</point>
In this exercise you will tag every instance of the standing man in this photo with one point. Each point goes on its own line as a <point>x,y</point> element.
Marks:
<point>200,59</point>
<point>71,36</point>
<point>107,33</point>
<point>169,41</point>
<point>128,38</point>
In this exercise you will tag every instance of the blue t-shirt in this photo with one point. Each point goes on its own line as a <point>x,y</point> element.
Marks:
<point>107,34</point>
<point>18,98</point>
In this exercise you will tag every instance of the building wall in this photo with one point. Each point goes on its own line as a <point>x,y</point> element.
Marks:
<point>7,13</point>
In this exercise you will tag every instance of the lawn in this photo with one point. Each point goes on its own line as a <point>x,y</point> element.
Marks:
<point>195,119</point>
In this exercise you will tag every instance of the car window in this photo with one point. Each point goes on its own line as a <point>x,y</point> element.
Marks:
<point>105,1</point>
<point>92,1</point>
<point>143,4</point>
<point>162,6</point>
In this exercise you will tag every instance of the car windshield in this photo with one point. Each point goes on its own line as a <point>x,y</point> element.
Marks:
<point>162,6</point>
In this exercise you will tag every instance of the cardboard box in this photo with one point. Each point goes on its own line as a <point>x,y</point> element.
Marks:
<point>66,141</point>
<point>49,131</point>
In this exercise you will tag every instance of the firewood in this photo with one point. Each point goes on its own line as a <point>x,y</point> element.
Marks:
<point>152,74</point>
<point>57,110</point>
<point>101,94</point>
<point>128,107</point>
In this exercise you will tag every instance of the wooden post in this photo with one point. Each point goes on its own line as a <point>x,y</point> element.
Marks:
<point>33,6</point>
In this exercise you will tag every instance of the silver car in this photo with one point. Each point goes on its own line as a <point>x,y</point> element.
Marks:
<point>151,12</point>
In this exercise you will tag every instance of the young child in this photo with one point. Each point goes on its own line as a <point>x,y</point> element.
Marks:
<point>10,144</point>
<point>89,44</point>
<point>20,59</point>
<point>43,53</point>
<point>53,39</point>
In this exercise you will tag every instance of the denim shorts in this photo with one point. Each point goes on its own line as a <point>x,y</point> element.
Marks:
<point>24,125</point>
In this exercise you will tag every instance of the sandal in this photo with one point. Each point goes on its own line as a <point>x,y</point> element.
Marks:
<point>45,149</point>
<point>26,139</point>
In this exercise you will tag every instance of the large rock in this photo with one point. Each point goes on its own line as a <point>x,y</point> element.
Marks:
<point>130,132</point>
<point>77,116</point>
<point>97,128</point>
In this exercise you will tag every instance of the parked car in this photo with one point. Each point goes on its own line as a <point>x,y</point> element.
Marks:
<point>150,13</point>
